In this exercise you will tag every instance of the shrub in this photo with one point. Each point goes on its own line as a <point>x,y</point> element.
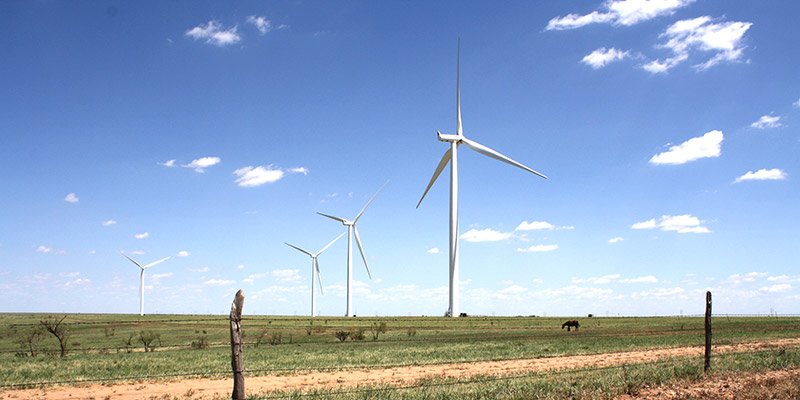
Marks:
<point>200,343</point>
<point>148,339</point>
<point>377,329</point>
<point>276,338</point>
<point>411,332</point>
<point>342,335</point>
<point>357,334</point>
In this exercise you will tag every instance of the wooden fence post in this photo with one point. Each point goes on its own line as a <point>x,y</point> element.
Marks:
<point>236,346</point>
<point>707,363</point>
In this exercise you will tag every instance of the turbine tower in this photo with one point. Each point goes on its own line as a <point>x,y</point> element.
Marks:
<point>451,156</point>
<point>315,266</point>
<point>351,230</point>
<point>141,279</point>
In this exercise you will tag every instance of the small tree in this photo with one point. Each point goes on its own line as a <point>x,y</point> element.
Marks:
<point>56,326</point>
<point>357,334</point>
<point>342,335</point>
<point>29,341</point>
<point>377,329</point>
<point>148,339</point>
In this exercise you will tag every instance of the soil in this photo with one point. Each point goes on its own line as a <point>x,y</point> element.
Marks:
<point>221,388</point>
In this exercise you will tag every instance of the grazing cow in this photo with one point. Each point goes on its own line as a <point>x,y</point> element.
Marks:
<point>571,324</point>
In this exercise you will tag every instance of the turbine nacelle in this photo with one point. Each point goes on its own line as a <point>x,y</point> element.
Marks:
<point>444,137</point>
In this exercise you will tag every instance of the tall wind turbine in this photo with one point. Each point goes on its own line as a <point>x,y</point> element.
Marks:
<point>451,156</point>
<point>315,266</point>
<point>351,229</point>
<point>141,279</point>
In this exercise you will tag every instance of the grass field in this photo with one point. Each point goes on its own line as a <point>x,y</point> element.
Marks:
<point>109,346</point>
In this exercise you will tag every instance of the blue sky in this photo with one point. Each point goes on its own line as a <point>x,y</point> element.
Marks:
<point>212,132</point>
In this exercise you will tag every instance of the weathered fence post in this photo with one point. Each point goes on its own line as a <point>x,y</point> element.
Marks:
<point>707,363</point>
<point>236,346</point>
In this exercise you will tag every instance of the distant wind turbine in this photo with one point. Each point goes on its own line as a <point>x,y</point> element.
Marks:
<point>351,229</point>
<point>141,279</point>
<point>451,156</point>
<point>315,266</point>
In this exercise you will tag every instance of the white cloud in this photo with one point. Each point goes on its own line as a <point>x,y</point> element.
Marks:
<point>514,289</point>
<point>219,282</point>
<point>617,239</point>
<point>201,164</point>
<point>724,39</point>
<point>620,12</point>
<point>484,235</point>
<point>767,121</point>
<point>679,223</point>
<point>183,253</point>
<point>71,198</point>
<point>434,250</point>
<point>602,57</point>
<point>641,279</point>
<point>204,269</point>
<point>135,252</point>
<point>796,103</point>
<point>77,282</point>
<point>109,222</point>
<point>299,170</point>
<point>43,249</point>
<point>535,225</point>
<point>164,275</point>
<point>603,280</point>
<point>286,275</point>
<point>141,235</point>
<point>781,287</point>
<point>168,163</point>
<point>256,176</point>
<point>661,292</point>
<point>704,146</point>
<point>264,25</point>
<point>213,33</point>
<point>762,175</point>
<point>240,267</point>
<point>69,274</point>
<point>539,248</point>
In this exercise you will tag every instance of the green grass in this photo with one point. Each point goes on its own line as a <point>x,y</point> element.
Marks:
<point>99,348</point>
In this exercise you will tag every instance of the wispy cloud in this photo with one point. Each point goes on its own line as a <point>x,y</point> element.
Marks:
<point>109,222</point>
<point>796,103</point>
<point>215,34</point>
<point>71,198</point>
<point>434,250</point>
<point>724,39</point>
<point>619,12</point>
<point>201,164</point>
<point>204,269</point>
<point>286,275</point>
<point>678,223</point>
<point>164,275</point>
<point>168,163</point>
<point>539,248</point>
<point>261,23</point>
<point>183,253</point>
<point>615,240</point>
<point>762,175</point>
<point>767,122</point>
<point>298,170</point>
<point>43,249</point>
<point>781,287</point>
<point>602,57</point>
<point>603,280</point>
<point>641,279</point>
<point>256,176</point>
<point>708,145</point>
<point>141,235</point>
<point>484,235</point>
<point>219,282</point>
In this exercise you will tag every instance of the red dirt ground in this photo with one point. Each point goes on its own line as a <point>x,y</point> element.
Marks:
<point>208,388</point>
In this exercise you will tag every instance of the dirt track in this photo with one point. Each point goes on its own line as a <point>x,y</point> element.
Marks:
<point>208,388</point>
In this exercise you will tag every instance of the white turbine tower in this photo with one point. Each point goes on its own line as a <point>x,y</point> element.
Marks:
<point>451,156</point>
<point>141,279</point>
<point>351,229</point>
<point>315,266</point>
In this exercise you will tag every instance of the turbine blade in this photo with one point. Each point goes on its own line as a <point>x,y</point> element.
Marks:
<point>370,201</point>
<point>497,156</point>
<point>439,168</point>
<point>326,247</point>
<point>361,249</point>
<point>156,262</point>
<point>458,89</point>
<point>342,220</point>
<point>291,245</point>
<point>132,260</point>
<point>319,276</point>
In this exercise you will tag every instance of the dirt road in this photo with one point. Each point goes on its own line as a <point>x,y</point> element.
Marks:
<point>208,388</point>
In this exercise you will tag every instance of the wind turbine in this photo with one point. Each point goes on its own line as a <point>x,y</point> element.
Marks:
<point>315,265</point>
<point>451,156</point>
<point>141,279</point>
<point>351,229</point>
